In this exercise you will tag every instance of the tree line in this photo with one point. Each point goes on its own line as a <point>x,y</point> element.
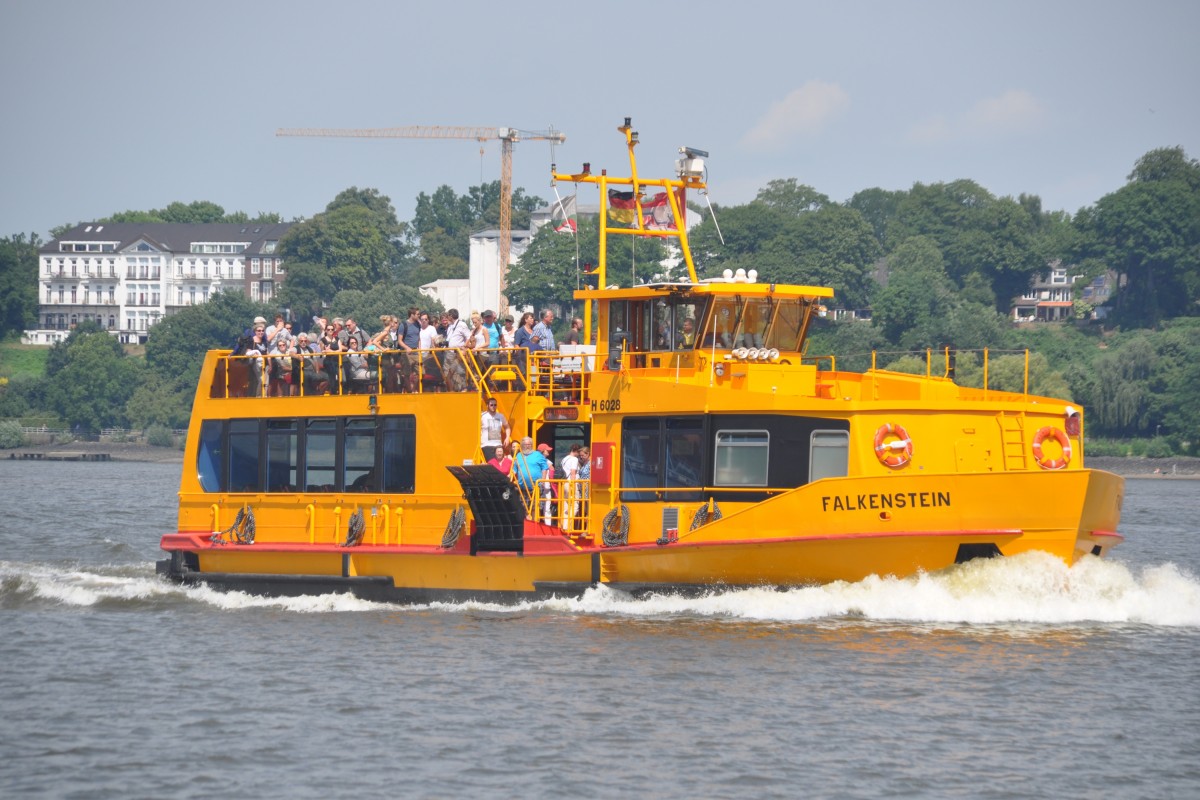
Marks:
<point>938,266</point>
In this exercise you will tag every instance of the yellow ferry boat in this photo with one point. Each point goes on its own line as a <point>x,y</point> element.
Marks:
<point>721,456</point>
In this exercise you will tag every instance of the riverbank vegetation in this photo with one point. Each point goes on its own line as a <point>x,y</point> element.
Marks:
<point>937,266</point>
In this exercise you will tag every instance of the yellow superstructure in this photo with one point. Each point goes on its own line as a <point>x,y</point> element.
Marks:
<point>720,455</point>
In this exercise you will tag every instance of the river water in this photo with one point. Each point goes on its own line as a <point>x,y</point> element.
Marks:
<point>1004,678</point>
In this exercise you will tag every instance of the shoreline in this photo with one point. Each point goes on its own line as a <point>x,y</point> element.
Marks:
<point>117,451</point>
<point>1177,468</point>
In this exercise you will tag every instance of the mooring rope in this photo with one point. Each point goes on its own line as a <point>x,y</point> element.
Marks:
<point>458,519</point>
<point>612,533</point>
<point>241,531</point>
<point>355,529</point>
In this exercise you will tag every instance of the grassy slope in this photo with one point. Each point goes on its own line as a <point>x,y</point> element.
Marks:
<point>22,360</point>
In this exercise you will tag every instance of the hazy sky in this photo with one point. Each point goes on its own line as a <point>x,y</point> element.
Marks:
<point>112,105</point>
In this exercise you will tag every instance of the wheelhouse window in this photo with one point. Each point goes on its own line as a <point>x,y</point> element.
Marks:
<point>741,458</point>
<point>829,456</point>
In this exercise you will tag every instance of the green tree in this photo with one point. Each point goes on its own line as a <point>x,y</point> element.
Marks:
<point>878,207</point>
<point>795,238</point>
<point>791,197</point>
<point>1007,372</point>
<point>1149,232</point>
<point>18,283</point>
<point>175,346</point>
<point>352,241</point>
<point>159,402</point>
<point>385,298</point>
<point>1114,387</point>
<point>917,288</point>
<point>307,289</point>
<point>90,379</point>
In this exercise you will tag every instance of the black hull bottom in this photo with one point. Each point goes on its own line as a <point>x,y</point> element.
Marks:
<point>375,589</point>
<point>380,589</point>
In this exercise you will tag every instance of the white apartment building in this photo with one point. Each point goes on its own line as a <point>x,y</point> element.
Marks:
<point>127,276</point>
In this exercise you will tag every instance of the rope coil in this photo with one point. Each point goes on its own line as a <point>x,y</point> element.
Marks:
<point>702,517</point>
<point>615,528</point>
<point>355,529</point>
<point>454,527</point>
<point>240,532</point>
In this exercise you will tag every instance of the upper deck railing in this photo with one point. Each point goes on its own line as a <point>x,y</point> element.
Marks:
<point>560,377</point>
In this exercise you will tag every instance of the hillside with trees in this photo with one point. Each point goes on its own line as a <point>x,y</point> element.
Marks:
<point>937,265</point>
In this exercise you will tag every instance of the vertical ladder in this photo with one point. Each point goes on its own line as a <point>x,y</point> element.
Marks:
<point>1012,439</point>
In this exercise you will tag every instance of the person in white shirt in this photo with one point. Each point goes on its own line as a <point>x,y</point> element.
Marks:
<point>570,505</point>
<point>426,342</point>
<point>493,429</point>
<point>456,342</point>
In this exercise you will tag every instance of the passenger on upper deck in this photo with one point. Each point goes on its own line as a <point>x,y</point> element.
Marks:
<point>352,329</point>
<point>457,334</point>
<point>543,335</point>
<point>253,343</point>
<point>410,343</point>
<point>304,366</point>
<point>574,335</point>
<point>508,334</point>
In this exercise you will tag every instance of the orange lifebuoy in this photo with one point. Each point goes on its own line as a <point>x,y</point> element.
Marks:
<point>1063,442</point>
<point>897,453</point>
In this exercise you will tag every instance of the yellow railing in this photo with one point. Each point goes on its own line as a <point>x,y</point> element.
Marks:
<point>370,372</point>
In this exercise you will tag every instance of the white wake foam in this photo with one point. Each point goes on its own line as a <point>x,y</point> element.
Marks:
<point>1029,588</point>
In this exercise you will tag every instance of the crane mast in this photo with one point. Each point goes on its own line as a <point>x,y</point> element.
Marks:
<point>507,137</point>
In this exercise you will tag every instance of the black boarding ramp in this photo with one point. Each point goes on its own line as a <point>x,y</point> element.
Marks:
<point>495,503</point>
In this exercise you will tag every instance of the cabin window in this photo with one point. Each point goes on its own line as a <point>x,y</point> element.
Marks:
<point>282,452</point>
<point>307,455</point>
<point>359,456</point>
<point>685,458</point>
<point>243,455</point>
<point>640,459</point>
<point>208,457</point>
<point>829,456</point>
<point>398,454</point>
<point>664,454</point>
<point>320,455</point>
<point>741,458</point>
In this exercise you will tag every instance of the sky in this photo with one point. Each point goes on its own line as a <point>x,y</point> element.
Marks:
<point>113,105</point>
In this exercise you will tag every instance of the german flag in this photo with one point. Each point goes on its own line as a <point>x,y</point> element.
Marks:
<point>622,207</point>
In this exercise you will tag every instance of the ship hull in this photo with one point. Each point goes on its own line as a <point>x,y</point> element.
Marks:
<point>835,530</point>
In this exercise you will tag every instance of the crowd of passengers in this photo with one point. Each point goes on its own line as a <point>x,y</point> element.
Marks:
<point>423,352</point>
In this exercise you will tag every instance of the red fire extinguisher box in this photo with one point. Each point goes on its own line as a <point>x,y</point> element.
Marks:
<point>602,463</point>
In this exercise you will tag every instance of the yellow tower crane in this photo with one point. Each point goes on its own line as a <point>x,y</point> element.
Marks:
<point>507,136</point>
